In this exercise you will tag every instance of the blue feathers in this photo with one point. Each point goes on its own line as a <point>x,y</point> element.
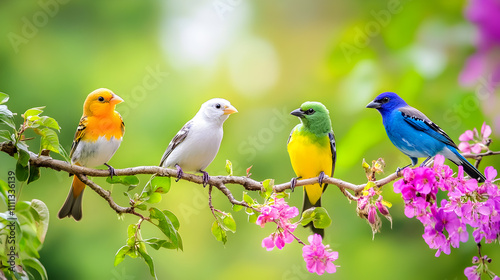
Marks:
<point>414,134</point>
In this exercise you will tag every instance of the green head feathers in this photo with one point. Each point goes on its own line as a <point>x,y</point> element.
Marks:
<point>315,117</point>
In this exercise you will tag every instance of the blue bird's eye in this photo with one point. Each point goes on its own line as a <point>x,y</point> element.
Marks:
<point>385,100</point>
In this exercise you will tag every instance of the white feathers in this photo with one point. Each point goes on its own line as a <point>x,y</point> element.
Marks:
<point>92,154</point>
<point>197,143</point>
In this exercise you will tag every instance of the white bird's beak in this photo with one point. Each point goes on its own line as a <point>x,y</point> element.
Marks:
<point>228,110</point>
<point>115,99</point>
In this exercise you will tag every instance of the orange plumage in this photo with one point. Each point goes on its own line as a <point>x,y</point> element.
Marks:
<point>97,138</point>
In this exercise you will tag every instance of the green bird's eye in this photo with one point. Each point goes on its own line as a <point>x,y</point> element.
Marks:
<point>310,111</point>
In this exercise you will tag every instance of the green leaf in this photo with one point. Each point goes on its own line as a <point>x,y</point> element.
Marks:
<point>307,216</point>
<point>229,167</point>
<point>7,117</point>
<point>4,97</point>
<point>149,262</point>
<point>41,215</point>
<point>23,155</point>
<point>154,198</point>
<point>161,184</point>
<point>253,217</point>
<point>4,191</point>
<point>131,230</point>
<point>229,222</point>
<point>49,140</point>
<point>36,265</point>
<point>166,226</point>
<point>248,199</point>
<point>48,122</point>
<point>22,172</point>
<point>321,219</point>
<point>237,207</point>
<point>33,112</point>
<point>268,187</point>
<point>5,134</point>
<point>172,218</point>
<point>63,153</point>
<point>141,206</point>
<point>219,233</point>
<point>120,255</point>
<point>128,180</point>
<point>34,174</point>
<point>157,243</point>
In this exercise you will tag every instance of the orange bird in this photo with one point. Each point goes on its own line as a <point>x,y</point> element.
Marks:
<point>97,138</point>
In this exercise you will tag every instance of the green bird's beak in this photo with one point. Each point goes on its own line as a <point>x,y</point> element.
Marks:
<point>374,105</point>
<point>297,112</point>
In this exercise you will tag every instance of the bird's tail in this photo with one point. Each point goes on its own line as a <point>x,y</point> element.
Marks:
<point>458,159</point>
<point>307,204</point>
<point>73,205</point>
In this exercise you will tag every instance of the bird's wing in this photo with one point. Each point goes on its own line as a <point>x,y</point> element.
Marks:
<point>178,138</point>
<point>333,147</point>
<point>80,132</point>
<point>421,122</point>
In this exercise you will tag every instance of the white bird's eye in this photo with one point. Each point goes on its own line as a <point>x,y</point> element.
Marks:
<point>100,98</point>
<point>217,106</point>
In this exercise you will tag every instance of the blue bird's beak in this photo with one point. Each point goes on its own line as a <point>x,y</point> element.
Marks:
<point>374,105</point>
<point>297,112</point>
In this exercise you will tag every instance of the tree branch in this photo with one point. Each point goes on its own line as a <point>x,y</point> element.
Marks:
<point>219,182</point>
<point>480,155</point>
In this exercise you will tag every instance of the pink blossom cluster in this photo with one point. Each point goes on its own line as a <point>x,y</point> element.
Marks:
<point>481,266</point>
<point>480,142</point>
<point>368,206</point>
<point>467,203</point>
<point>318,257</point>
<point>279,212</point>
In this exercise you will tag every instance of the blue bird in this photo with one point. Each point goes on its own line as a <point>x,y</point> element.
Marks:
<point>416,135</point>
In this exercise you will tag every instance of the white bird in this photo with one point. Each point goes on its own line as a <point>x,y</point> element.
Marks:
<point>195,146</point>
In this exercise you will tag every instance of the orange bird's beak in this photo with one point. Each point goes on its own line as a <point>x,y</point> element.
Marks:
<point>228,110</point>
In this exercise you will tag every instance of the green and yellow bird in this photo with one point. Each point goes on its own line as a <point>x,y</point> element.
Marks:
<point>312,151</point>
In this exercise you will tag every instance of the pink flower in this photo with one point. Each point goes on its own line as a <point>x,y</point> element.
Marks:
<point>490,173</point>
<point>318,257</point>
<point>372,214</point>
<point>466,136</point>
<point>471,273</point>
<point>279,212</point>
<point>268,243</point>
<point>476,148</point>
<point>464,147</point>
<point>267,214</point>
<point>485,130</point>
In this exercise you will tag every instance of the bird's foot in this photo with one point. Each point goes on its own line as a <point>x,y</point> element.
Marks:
<point>425,162</point>
<point>180,173</point>
<point>293,183</point>
<point>206,177</point>
<point>399,169</point>
<point>321,176</point>
<point>111,170</point>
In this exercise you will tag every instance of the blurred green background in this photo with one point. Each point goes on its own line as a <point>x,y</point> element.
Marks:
<point>165,58</point>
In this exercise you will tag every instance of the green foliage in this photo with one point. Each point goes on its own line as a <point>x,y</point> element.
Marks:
<point>229,167</point>
<point>44,126</point>
<point>318,216</point>
<point>22,233</point>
